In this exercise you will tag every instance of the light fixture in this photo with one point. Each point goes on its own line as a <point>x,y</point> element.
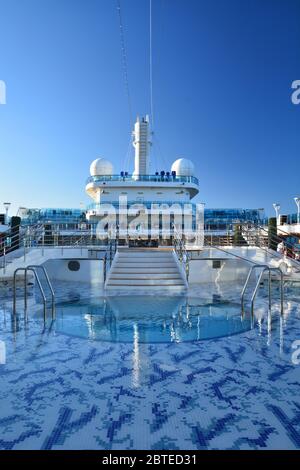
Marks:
<point>297,201</point>
<point>277,209</point>
<point>6,207</point>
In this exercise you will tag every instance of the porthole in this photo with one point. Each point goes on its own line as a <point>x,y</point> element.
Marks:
<point>74,265</point>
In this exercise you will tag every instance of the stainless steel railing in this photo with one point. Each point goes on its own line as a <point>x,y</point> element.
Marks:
<point>181,252</point>
<point>108,258</point>
<point>264,268</point>
<point>33,269</point>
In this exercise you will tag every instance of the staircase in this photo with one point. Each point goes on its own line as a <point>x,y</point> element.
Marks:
<point>146,269</point>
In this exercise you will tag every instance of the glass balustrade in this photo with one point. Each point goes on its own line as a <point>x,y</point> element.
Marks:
<point>145,178</point>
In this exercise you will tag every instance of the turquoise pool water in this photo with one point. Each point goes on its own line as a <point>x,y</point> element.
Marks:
<point>155,320</point>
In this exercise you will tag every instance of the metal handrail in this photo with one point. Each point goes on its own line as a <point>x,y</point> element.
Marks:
<point>36,266</point>
<point>263,243</point>
<point>264,268</point>
<point>108,257</point>
<point>24,240</point>
<point>40,287</point>
<point>152,178</point>
<point>181,252</point>
<point>255,239</point>
<point>276,238</point>
<point>33,270</point>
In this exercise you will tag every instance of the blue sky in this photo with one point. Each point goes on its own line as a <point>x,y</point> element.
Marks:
<point>222,74</point>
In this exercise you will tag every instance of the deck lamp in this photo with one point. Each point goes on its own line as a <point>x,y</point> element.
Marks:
<point>277,209</point>
<point>6,207</point>
<point>297,201</point>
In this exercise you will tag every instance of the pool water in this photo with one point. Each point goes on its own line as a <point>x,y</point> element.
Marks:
<point>149,320</point>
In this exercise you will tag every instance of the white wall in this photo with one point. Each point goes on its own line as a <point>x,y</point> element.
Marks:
<point>179,194</point>
<point>90,270</point>
<point>231,270</point>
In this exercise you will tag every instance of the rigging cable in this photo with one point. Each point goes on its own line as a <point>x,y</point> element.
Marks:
<point>128,155</point>
<point>151,68</point>
<point>124,61</point>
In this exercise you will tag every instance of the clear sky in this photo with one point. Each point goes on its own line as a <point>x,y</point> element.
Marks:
<point>222,74</point>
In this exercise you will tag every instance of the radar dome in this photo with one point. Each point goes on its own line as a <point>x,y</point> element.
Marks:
<point>101,167</point>
<point>183,167</point>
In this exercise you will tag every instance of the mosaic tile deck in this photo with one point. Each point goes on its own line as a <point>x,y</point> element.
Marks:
<point>64,392</point>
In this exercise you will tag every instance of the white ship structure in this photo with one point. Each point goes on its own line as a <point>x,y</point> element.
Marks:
<point>145,232</point>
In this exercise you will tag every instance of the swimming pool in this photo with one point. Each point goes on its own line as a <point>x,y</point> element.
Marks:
<point>68,387</point>
<point>154,320</point>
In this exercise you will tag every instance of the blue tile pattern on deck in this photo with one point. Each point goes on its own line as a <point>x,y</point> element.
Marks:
<point>62,392</point>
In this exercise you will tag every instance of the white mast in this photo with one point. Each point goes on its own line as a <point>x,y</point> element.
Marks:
<point>141,143</point>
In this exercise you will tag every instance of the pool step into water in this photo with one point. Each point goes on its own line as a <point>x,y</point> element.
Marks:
<point>140,269</point>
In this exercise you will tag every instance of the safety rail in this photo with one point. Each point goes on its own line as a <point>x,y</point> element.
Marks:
<point>18,238</point>
<point>264,268</point>
<point>108,257</point>
<point>257,236</point>
<point>161,178</point>
<point>33,269</point>
<point>36,237</point>
<point>268,242</point>
<point>181,252</point>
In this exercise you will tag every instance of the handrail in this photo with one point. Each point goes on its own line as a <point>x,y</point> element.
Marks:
<point>273,237</point>
<point>36,266</point>
<point>181,252</point>
<point>32,268</point>
<point>38,283</point>
<point>257,286</point>
<point>109,255</point>
<point>263,243</point>
<point>253,237</point>
<point>152,178</point>
<point>264,267</point>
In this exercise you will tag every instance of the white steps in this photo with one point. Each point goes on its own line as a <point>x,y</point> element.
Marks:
<point>145,270</point>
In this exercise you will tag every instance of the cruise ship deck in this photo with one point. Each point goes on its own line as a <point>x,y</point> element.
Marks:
<point>146,321</point>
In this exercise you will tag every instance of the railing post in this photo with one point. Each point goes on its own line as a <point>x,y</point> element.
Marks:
<point>281,291</point>
<point>4,259</point>
<point>104,268</point>
<point>14,293</point>
<point>270,294</point>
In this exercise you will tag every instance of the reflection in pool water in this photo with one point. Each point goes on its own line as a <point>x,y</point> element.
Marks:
<point>149,319</point>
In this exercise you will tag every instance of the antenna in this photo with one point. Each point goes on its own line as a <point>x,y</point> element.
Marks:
<point>151,68</point>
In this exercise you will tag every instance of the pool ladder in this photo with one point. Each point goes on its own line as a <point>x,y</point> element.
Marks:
<point>264,268</point>
<point>33,268</point>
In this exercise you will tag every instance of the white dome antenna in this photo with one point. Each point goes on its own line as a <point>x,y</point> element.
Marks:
<point>101,167</point>
<point>183,167</point>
